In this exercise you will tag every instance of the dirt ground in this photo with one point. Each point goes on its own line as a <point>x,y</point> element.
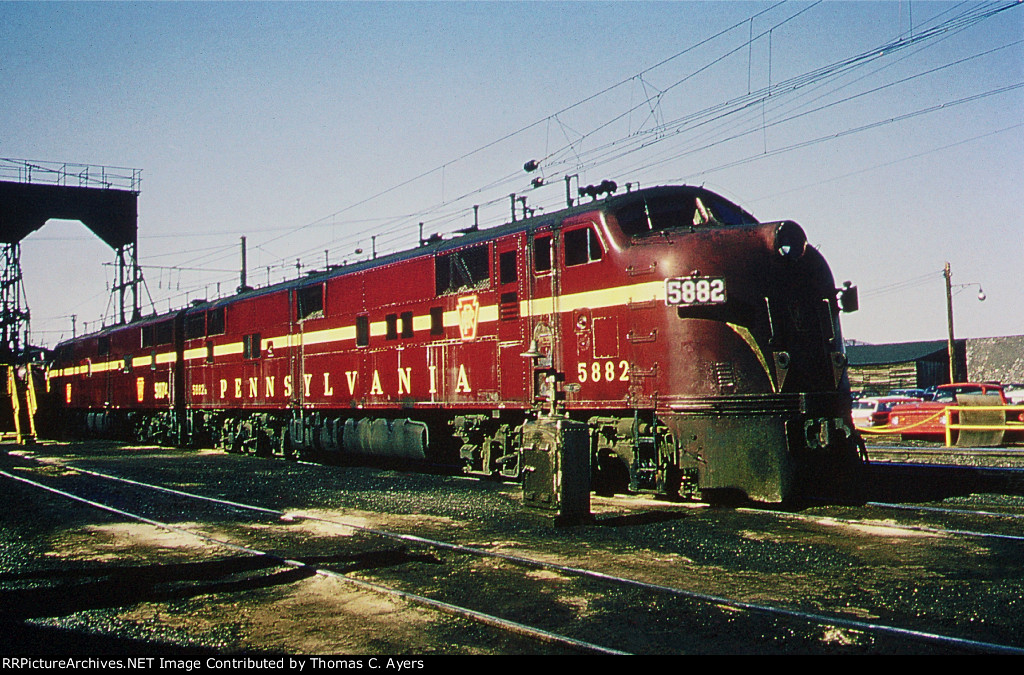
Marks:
<point>73,578</point>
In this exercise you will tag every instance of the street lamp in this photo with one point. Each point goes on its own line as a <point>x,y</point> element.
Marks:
<point>951,345</point>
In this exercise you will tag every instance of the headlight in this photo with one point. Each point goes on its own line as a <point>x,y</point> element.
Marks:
<point>790,240</point>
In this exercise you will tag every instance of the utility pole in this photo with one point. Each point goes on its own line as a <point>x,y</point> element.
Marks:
<point>951,344</point>
<point>955,372</point>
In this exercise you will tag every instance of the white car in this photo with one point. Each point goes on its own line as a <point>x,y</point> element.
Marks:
<point>1014,393</point>
<point>873,411</point>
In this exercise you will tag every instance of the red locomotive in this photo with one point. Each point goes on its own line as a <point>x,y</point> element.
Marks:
<point>701,348</point>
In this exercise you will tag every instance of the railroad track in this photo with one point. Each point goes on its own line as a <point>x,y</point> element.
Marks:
<point>646,603</point>
<point>874,515</point>
<point>279,560</point>
<point>1009,457</point>
<point>983,512</point>
<point>910,482</point>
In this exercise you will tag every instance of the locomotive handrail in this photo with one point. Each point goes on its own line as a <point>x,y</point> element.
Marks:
<point>1004,427</point>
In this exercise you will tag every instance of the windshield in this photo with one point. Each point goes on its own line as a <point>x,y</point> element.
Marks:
<point>698,208</point>
<point>949,394</point>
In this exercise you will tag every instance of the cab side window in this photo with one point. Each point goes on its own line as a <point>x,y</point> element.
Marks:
<point>581,247</point>
<point>542,253</point>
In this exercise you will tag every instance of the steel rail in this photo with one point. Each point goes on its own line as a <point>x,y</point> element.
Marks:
<point>448,608</point>
<point>1008,452</point>
<point>939,509</point>
<point>891,526</point>
<point>769,610</point>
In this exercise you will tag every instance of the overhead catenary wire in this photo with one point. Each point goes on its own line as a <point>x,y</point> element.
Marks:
<point>571,157</point>
<point>972,16</point>
<point>875,167</point>
<point>532,125</point>
<point>694,121</point>
<point>486,146</point>
<point>710,138</point>
<point>555,116</point>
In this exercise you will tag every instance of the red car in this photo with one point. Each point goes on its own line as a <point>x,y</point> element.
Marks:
<point>927,419</point>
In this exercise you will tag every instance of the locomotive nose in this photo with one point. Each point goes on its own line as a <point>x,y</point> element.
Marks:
<point>790,240</point>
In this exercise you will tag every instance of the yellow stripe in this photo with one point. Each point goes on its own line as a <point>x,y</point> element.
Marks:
<point>488,314</point>
<point>328,335</point>
<point>541,307</point>
<point>103,367</point>
<point>290,340</point>
<point>752,343</point>
<point>598,299</point>
<point>228,349</point>
<point>613,297</point>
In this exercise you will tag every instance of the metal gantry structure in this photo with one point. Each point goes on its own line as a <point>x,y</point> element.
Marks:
<point>103,198</point>
<point>14,312</point>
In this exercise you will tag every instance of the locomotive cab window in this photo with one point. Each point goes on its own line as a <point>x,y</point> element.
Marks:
<point>215,321</point>
<point>251,346</point>
<point>507,273</point>
<point>164,333</point>
<point>697,209</point>
<point>362,330</point>
<point>468,269</point>
<point>581,247</point>
<point>310,302</point>
<point>542,253</point>
<point>195,326</point>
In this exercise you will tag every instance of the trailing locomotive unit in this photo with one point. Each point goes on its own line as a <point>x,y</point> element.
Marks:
<point>702,349</point>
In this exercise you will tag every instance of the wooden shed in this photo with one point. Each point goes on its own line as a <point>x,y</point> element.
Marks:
<point>882,368</point>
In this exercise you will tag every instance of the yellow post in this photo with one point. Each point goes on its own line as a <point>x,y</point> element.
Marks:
<point>33,405</point>
<point>12,388</point>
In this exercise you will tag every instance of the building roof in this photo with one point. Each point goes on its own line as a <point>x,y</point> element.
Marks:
<point>903,352</point>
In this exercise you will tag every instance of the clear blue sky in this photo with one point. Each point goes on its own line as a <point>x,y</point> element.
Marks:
<point>308,127</point>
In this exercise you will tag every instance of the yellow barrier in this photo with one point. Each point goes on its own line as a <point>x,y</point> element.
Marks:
<point>30,406</point>
<point>12,391</point>
<point>899,430</point>
<point>1006,426</point>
